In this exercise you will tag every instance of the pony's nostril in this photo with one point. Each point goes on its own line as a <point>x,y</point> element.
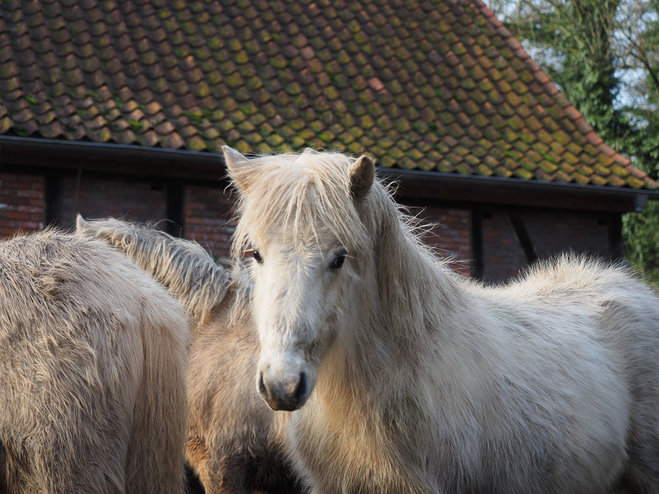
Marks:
<point>262,388</point>
<point>301,390</point>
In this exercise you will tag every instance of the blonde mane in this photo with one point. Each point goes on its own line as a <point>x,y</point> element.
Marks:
<point>309,194</point>
<point>182,266</point>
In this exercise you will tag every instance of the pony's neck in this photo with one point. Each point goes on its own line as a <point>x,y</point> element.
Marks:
<point>417,293</point>
<point>407,298</point>
<point>186,270</point>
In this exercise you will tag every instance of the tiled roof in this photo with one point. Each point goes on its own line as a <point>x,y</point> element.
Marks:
<point>421,84</point>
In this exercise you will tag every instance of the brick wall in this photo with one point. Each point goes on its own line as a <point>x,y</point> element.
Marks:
<point>207,212</point>
<point>556,232</point>
<point>550,233</point>
<point>21,203</point>
<point>448,234</point>
<point>100,198</point>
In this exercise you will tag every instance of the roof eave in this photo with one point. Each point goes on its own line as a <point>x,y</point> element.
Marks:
<point>110,157</point>
<point>414,184</point>
<point>453,187</point>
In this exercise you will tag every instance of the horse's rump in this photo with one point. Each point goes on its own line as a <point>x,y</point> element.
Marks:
<point>79,327</point>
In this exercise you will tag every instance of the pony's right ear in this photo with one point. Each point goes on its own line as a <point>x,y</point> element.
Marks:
<point>80,222</point>
<point>236,165</point>
<point>362,174</point>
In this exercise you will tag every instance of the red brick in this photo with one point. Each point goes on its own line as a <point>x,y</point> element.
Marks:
<point>15,184</point>
<point>29,225</point>
<point>29,193</point>
<point>449,235</point>
<point>98,198</point>
<point>207,218</point>
<point>22,199</point>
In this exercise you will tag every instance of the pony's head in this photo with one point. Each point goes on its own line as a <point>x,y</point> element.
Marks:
<point>300,222</point>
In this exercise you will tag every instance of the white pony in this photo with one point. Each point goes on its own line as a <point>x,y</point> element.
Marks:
<point>410,379</point>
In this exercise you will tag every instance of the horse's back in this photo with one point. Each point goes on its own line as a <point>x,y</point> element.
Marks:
<point>73,362</point>
<point>629,319</point>
<point>618,320</point>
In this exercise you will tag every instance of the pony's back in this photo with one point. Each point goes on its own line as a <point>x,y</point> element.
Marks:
<point>625,322</point>
<point>182,266</point>
<point>92,371</point>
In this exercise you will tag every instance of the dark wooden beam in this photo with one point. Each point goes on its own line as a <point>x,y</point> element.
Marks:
<point>53,186</point>
<point>523,238</point>
<point>174,208</point>
<point>432,186</point>
<point>115,158</point>
<point>614,231</point>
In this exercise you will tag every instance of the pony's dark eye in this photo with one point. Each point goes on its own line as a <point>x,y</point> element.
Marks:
<point>338,260</point>
<point>254,254</point>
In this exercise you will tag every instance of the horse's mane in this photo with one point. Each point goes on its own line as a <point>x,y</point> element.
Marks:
<point>308,191</point>
<point>182,266</point>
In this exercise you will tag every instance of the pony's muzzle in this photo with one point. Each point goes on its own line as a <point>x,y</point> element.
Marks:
<point>288,393</point>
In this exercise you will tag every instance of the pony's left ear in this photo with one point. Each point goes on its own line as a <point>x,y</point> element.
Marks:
<point>362,174</point>
<point>236,165</point>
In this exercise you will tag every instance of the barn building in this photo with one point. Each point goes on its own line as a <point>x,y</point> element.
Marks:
<point>120,107</point>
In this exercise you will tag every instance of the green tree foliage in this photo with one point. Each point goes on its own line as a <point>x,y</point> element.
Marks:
<point>604,56</point>
<point>572,41</point>
<point>638,52</point>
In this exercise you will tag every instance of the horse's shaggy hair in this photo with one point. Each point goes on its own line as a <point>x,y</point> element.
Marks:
<point>234,439</point>
<point>92,371</point>
<point>432,383</point>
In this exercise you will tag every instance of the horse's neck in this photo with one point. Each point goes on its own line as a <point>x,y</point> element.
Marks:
<point>407,302</point>
<point>417,294</point>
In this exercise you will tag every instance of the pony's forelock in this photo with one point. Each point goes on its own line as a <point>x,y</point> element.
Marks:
<point>305,194</point>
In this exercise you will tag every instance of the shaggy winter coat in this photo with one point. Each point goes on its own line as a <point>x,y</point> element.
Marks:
<point>410,379</point>
<point>92,371</point>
